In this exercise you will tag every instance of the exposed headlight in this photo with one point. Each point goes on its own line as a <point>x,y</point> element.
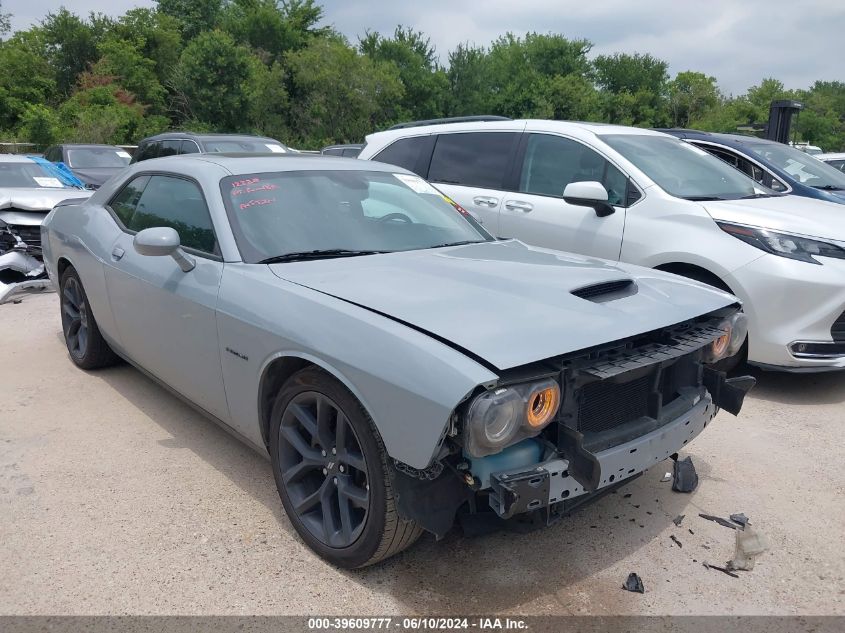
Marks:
<point>501,417</point>
<point>783,244</point>
<point>735,329</point>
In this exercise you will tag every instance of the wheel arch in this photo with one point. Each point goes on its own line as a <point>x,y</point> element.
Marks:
<point>696,272</point>
<point>278,369</point>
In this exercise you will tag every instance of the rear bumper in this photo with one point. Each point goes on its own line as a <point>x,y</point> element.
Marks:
<point>552,482</point>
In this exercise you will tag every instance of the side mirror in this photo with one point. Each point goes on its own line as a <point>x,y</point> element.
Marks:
<point>589,194</point>
<point>160,241</point>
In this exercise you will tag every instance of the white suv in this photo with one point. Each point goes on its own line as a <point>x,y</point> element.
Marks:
<point>633,195</point>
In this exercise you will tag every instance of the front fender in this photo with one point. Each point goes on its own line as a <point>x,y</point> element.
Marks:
<point>408,382</point>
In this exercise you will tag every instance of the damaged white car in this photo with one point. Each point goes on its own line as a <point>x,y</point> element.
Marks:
<point>28,191</point>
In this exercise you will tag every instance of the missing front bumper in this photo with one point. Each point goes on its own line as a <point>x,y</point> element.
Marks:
<point>554,481</point>
<point>21,273</point>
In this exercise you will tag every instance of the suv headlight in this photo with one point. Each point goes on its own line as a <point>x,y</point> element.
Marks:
<point>501,417</point>
<point>784,244</point>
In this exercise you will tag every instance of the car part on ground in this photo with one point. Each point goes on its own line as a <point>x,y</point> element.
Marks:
<point>398,364</point>
<point>640,196</point>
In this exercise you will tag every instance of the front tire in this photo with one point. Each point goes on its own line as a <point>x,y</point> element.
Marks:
<point>331,471</point>
<point>86,346</point>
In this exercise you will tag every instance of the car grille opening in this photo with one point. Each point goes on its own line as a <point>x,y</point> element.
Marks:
<point>838,329</point>
<point>606,291</point>
<point>605,405</point>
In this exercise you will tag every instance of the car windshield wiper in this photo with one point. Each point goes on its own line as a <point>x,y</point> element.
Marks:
<point>327,253</point>
<point>463,243</point>
<point>759,195</point>
<point>703,198</point>
<point>828,187</point>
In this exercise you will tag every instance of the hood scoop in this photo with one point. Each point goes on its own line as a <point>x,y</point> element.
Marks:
<point>607,291</point>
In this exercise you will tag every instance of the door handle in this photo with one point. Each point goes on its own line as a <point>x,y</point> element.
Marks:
<point>518,205</point>
<point>485,201</point>
<point>117,253</point>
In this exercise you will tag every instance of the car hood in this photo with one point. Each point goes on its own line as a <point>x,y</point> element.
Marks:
<point>505,302</point>
<point>96,176</point>
<point>37,199</point>
<point>791,214</point>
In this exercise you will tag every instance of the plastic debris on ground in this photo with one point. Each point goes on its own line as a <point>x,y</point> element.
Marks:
<point>666,477</point>
<point>721,569</point>
<point>634,584</point>
<point>685,479</point>
<point>749,545</point>
<point>740,519</point>
<point>720,521</point>
<point>678,519</point>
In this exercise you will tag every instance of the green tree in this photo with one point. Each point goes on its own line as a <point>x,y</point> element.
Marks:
<point>71,46</point>
<point>515,67</point>
<point>27,79</point>
<point>122,60</point>
<point>40,125</point>
<point>273,28</point>
<point>469,81</point>
<point>194,16</point>
<point>425,84</point>
<point>155,34</point>
<point>691,96</point>
<point>633,88</point>
<point>211,81</point>
<point>338,94</point>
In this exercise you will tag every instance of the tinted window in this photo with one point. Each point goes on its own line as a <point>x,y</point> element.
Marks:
<point>838,164</point>
<point>189,147</point>
<point>410,153</point>
<point>243,146</point>
<point>147,151</point>
<point>125,202</point>
<point>474,159</point>
<point>333,151</point>
<point>351,152</point>
<point>169,148</point>
<point>740,162</point>
<point>552,162</point>
<point>177,203</point>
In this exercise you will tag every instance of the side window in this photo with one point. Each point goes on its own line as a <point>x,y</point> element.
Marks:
<point>124,203</point>
<point>472,159</point>
<point>189,147</point>
<point>552,162</point>
<point>177,203</point>
<point>169,148</point>
<point>411,153</point>
<point>838,164</point>
<point>735,160</point>
<point>150,150</point>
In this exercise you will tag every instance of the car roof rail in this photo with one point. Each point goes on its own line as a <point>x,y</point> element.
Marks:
<point>453,119</point>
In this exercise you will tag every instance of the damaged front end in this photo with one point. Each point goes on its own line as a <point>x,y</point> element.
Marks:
<point>553,435</point>
<point>21,264</point>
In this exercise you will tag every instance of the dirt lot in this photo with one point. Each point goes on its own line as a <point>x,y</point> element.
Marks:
<point>115,497</point>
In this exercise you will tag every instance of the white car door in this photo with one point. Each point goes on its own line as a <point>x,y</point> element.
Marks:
<point>471,168</point>
<point>536,212</point>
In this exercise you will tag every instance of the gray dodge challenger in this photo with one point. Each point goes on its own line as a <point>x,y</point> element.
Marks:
<point>400,366</point>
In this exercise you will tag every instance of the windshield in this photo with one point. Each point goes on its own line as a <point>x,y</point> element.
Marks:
<point>28,174</point>
<point>278,213</point>
<point>801,166</point>
<point>683,170</point>
<point>94,157</point>
<point>244,146</point>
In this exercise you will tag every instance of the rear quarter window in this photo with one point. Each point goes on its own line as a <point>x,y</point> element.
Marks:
<point>411,153</point>
<point>473,159</point>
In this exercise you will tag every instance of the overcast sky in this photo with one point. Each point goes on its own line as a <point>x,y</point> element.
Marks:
<point>737,41</point>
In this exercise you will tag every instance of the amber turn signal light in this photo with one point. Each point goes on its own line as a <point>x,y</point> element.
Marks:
<point>542,405</point>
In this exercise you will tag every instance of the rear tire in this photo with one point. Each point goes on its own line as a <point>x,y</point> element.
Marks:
<point>332,473</point>
<point>86,346</point>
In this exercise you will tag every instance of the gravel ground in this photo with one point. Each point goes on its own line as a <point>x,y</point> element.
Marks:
<point>115,498</point>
